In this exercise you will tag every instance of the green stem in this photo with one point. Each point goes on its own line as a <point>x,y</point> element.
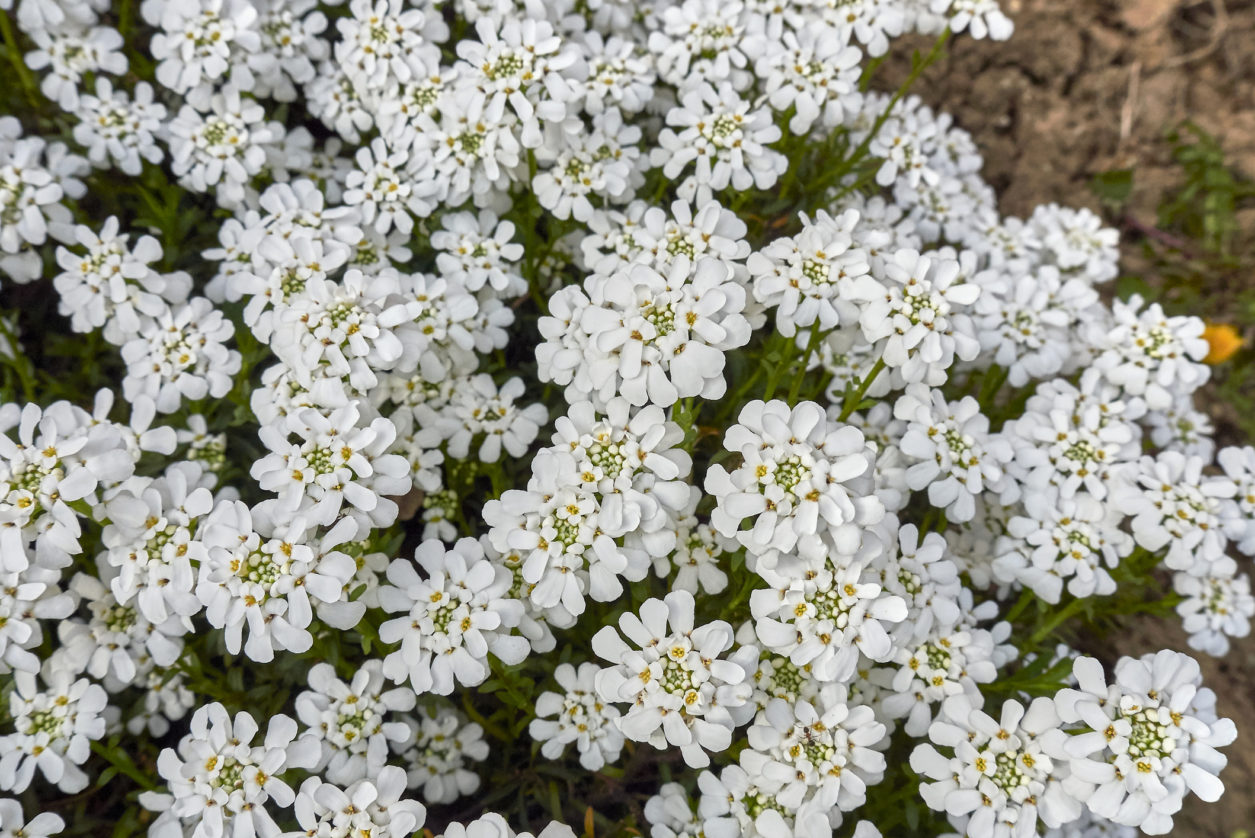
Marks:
<point>124,19</point>
<point>15,56</point>
<point>1026,599</point>
<point>852,404</point>
<point>478,717</point>
<point>920,65</point>
<point>19,363</point>
<point>124,766</point>
<point>1062,616</point>
<point>991,383</point>
<point>811,345</point>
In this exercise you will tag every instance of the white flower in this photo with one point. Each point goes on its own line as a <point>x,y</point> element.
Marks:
<point>337,461</point>
<point>981,18</point>
<point>223,149</point>
<point>61,455</point>
<point>369,807</point>
<point>66,55</point>
<point>14,825</point>
<point>697,553</point>
<point>1004,773</point>
<point>220,782</point>
<point>200,42</point>
<point>724,137</point>
<point>672,814</point>
<point>631,459</point>
<point>1145,745</point>
<point>1151,355</point>
<point>116,642</point>
<point>452,619</point>
<point>353,328</point>
<point>289,48</point>
<point>555,524</point>
<point>581,717</point>
<point>1027,322</point>
<point>476,154</point>
<point>166,699</point>
<point>1184,429</point>
<point>1073,540</point>
<point>921,317</point>
<point>520,64</point>
<point>620,74</point>
<point>825,620</point>
<point>443,745</point>
<point>348,721</point>
<point>814,277</point>
<point>1215,606</point>
<point>153,538</point>
<point>450,321</point>
<point>653,237</point>
<point>333,99</point>
<point>112,285</point>
<point>1073,438</point>
<point>812,70</point>
<point>699,41</point>
<point>1074,240</point>
<point>26,597</point>
<point>802,479</point>
<point>384,44</point>
<point>682,691</point>
<point>776,676</point>
<point>821,748</point>
<point>924,574</point>
<point>479,410</point>
<point>391,185</point>
<point>180,355</point>
<point>951,661</point>
<point>493,825</point>
<point>31,192</point>
<point>956,458</point>
<point>54,730</point>
<point>260,573</point>
<point>741,802</point>
<point>1239,516</point>
<point>478,251</point>
<point>599,165</point>
<point>1174,505</point>
<point>280,268</point>
<point>655,338</point>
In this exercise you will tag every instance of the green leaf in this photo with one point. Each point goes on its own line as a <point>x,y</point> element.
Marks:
<point>1113,188</point>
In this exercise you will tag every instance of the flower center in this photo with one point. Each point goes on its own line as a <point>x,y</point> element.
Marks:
<point>45,721</point>
<point>231,775</point>
<point>1149,737</point>
<point>1008,772</point>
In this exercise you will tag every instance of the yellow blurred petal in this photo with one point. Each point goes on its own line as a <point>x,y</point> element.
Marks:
<point>1223,340</point>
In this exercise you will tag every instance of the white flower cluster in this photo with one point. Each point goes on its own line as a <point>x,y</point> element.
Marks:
<point>836,446</point>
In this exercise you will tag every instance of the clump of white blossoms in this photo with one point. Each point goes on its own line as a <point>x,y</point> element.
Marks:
<point>441,759</point>
<point>218,779</point>
<point>350,721</point>
<point>651,337</point>
<point>803,483</point>
<point>1145,744</point>
<point>453,619</point>
<point>682,690</point>
<point>1004,774</point>
<point>53,731</point>
<point>628,414</point>
<point>580,716</point>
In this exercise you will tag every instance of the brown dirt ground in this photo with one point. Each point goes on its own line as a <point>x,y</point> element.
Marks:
<point>1088,86</point>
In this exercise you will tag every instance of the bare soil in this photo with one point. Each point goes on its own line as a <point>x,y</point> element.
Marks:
<point>1090,86</point>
